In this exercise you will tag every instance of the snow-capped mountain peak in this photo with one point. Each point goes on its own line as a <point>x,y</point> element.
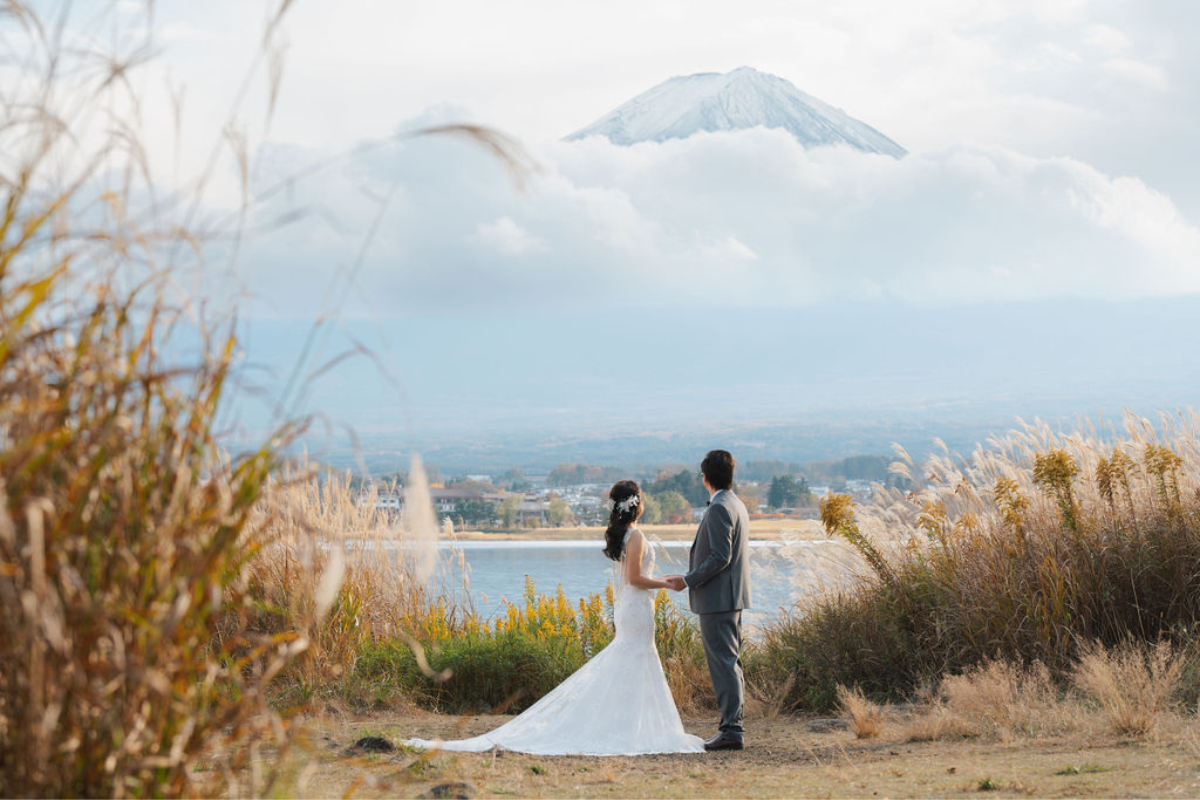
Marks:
<point>742,98</point>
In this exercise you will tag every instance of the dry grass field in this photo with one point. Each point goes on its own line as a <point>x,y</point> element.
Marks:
<point>997,730</point>
<point>787,756</point>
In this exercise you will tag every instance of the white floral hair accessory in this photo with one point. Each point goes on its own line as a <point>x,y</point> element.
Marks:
<point>628,504</point>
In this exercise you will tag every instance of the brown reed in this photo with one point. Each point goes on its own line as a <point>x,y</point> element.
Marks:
<point>124,536</point>
<point>124,531</point>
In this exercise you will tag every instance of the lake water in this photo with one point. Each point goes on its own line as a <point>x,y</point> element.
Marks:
<point>779,573</point>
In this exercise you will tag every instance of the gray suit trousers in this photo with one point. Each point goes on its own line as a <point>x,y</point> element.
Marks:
<point>722,636</point>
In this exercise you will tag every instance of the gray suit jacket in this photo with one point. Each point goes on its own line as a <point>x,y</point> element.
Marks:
<point>718,575</point>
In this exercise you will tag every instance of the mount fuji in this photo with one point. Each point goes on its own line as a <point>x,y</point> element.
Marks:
<point>743,98</point>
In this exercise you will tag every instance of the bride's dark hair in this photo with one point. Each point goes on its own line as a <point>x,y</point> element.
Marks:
<point>624,513</point>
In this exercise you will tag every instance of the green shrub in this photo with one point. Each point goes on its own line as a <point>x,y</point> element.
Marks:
<point>508,672</point>
<point>851,639</point>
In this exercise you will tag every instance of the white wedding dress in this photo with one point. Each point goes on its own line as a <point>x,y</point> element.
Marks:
<point>617,704</point>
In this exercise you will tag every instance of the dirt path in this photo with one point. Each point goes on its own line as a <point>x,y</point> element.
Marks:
<point>786,757</point>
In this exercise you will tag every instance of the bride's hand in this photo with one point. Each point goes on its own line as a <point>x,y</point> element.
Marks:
<point>676,582</point>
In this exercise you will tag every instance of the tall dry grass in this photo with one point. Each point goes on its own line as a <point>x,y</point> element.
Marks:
<point>123,535</point>
<point>125,532</point>
<point>1124,690</point>
<point>137,561</point>
<point>123,548</point>
<point>997,699</point>
<point>1021,551</point>
<point>864,717</point>
<point>344,574</point>
<point>363,589</point>
<point>1132,683</point>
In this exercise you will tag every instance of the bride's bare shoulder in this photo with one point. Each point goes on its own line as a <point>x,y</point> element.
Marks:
<point>633,536</point>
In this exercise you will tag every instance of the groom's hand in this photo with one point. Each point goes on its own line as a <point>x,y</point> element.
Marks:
<point>676,582</point>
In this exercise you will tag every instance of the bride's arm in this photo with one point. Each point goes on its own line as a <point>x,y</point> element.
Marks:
<point>633,564</point>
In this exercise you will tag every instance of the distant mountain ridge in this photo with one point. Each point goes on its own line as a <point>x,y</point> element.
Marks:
<point>743,98</point>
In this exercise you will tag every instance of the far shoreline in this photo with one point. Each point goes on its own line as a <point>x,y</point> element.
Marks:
<point>760,530</point>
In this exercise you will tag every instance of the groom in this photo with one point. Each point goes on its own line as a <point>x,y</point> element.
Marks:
<point>718,582</point>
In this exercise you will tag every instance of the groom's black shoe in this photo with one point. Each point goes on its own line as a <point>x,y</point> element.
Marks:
<point>723,741</point>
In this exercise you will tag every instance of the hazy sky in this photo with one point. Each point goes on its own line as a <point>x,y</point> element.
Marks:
<point>1051,158</point>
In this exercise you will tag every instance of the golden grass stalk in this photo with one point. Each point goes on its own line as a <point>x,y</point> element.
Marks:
<point>1132,683</point>
<point>995,700</point>
<point>936,722</point>
<point>1004,699</point>
<point>864,717</point>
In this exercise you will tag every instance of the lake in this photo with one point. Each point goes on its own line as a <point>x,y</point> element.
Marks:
<point>779,572</point>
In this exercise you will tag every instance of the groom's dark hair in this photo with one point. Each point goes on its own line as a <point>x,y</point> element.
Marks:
<point>717,467</point>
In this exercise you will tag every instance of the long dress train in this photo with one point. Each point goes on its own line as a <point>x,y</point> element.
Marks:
<point>616,704</point>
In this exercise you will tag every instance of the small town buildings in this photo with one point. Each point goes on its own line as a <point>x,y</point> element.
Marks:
<point>448,502</point>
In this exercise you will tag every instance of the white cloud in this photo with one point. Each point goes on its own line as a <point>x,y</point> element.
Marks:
<point>1106,37</point>
<point>730,250</point>
<point>1149,76</point>
<point>745,218</point>
<point>906,68</point>
<point>507,237</point>
<point>1111,82</point>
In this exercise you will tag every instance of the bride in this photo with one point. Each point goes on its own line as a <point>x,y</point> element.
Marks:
<point>617,704</point>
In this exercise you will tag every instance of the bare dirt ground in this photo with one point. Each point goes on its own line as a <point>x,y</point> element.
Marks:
<point>765,529</point>
<point>786,756</point>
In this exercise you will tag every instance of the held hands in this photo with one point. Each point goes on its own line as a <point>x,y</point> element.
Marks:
<point>675,582</point>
